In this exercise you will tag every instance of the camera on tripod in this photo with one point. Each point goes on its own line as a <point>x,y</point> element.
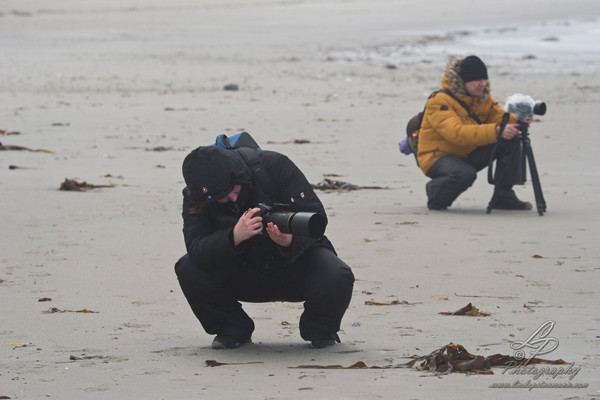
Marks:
<point>523,106</point>
<point>297,223</point>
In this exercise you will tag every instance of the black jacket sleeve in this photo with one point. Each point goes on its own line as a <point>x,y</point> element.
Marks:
<point>208,238</point>
<point>294,189</point>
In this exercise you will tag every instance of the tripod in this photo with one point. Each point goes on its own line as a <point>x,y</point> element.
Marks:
<point>535,179</point>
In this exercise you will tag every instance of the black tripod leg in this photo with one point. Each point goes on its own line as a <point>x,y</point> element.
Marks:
<point>535,179</point>
<point>490,206</point>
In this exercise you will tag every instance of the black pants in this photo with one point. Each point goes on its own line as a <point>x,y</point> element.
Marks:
<point>319,278</point>
<point>451,175</point>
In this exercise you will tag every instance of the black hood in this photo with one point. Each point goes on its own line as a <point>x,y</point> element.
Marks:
<point>210,172</point>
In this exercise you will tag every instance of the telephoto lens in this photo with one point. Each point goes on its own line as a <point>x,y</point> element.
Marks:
<point>308,224</point>
<point>301,223</point>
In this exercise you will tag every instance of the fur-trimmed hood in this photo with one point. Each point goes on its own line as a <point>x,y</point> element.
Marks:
<point>453,82</point>
<point>448,128</point>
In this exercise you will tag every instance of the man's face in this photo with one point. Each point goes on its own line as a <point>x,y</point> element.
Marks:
<point>475,88</point>
<point>232,196</point>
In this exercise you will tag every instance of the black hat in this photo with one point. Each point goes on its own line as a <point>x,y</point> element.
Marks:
<point>472,69</point>
<point>210,172</point>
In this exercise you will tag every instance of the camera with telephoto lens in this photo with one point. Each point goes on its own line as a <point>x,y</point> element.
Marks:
<point>523,106</point>
<point>308,224</point>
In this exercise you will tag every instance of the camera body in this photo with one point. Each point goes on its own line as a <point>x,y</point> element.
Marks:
<point>297,223</point>
<point>524,106</point>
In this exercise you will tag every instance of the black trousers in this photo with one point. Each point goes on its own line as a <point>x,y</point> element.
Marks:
<point>451,175</point>
<point>318,278</point>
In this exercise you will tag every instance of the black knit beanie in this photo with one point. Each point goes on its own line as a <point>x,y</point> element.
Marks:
<point>472,69</point>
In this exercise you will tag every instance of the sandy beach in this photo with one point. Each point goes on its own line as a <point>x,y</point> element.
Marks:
<point>115,94</point>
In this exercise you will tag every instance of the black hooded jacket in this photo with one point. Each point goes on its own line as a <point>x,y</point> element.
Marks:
<point>210,173</point>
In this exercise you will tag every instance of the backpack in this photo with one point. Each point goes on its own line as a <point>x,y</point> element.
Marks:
<point>247,147</point>
<point>237,141</point>
<point>409,145</point>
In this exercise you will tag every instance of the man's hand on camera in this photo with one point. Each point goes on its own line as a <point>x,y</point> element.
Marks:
<point>282,239</point>
<point>247,226</point>
<point>509,132</point>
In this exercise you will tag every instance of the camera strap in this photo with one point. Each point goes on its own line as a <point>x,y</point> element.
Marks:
<point>261,177</point>
<point>463,105</point>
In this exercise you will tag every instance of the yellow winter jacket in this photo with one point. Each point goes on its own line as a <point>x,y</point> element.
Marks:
<point>447,128</point>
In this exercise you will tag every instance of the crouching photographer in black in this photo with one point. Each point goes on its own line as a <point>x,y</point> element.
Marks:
<point>234,255</point>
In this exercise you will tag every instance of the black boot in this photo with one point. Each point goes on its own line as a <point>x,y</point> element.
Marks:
<point>325,341</point>
<point>433,205</point>
<point>506,199</point>
<point>228,342</point>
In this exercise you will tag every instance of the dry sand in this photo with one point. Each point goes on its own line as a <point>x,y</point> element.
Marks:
<point>104,85</point>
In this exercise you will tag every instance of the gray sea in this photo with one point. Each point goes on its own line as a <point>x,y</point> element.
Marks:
<point>570,45</point>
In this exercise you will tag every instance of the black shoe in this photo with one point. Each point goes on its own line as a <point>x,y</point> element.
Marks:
<point>323,342</point>
<point>228,342</point>
<point>436,208</point>
<point>507,200</point>
<point>430,204</point>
